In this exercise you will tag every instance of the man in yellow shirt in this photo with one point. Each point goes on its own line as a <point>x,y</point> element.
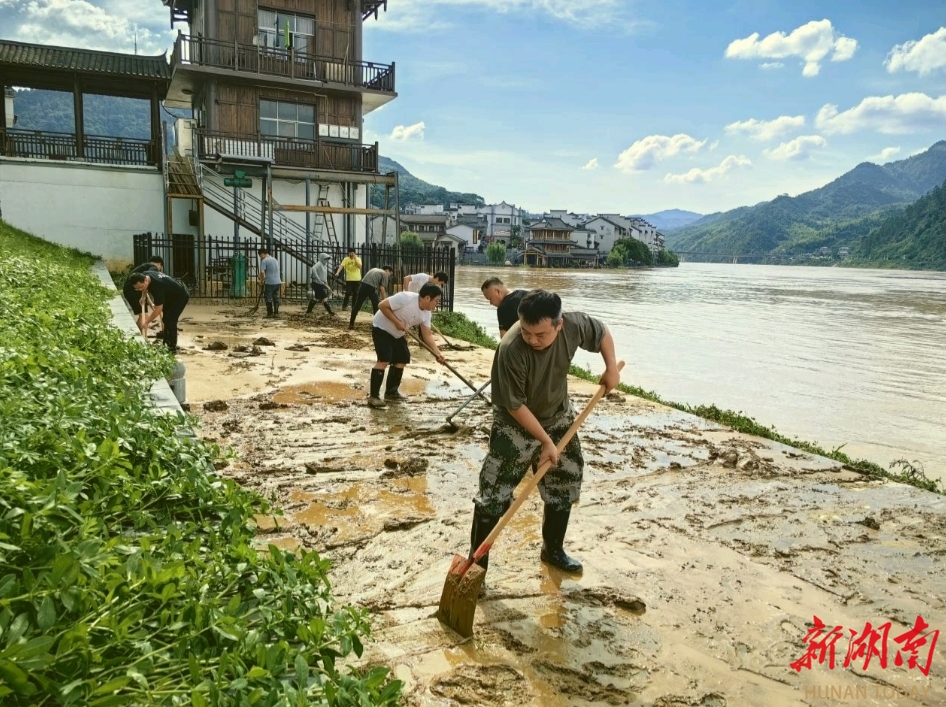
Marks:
<point>352,267</point>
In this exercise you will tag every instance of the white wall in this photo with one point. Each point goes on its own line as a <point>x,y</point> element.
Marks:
<point>90,207</point>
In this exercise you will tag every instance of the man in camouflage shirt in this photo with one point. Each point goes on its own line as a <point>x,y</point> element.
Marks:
<point>532,412</point>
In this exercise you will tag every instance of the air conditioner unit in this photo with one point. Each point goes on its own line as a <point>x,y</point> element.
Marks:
<point>335,71</point>
<point>184,136</point>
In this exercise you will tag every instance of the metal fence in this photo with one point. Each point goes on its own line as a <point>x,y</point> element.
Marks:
<point>223,269</point>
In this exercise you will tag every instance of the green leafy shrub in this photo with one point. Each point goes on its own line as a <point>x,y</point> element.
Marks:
<point>496,253</point>
<point>128,573</point>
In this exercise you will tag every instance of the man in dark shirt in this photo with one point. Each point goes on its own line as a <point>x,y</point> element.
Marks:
<point>532,412</point>
<point>170,297</point>
<point>374,283</point>
<point>505,302</point>
<point>134,298</point>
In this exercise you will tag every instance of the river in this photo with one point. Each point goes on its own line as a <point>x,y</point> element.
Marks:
<point>842,357</point>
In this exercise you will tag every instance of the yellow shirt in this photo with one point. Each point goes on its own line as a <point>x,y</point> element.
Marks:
<point>352,269</point>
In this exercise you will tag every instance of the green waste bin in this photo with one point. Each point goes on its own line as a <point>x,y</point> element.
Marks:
<point>238,275</point>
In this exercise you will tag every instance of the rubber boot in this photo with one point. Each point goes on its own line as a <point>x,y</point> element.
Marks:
<point>482,526</point>
<point>391,391</point>
<point>275,308</point>
<point>554,525</point>
<point>269,310</point>
<point>328,308</point>
<point>377,378</point>
<point>311,306</point>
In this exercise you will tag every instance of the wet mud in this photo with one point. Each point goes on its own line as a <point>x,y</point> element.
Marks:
<point>707,553</point>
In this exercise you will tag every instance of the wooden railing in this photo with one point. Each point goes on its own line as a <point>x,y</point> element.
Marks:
<point>286,63</point>
<point>44,145</point>
<point>286,152</point>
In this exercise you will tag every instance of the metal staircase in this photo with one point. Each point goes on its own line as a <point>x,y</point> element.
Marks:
<point>249,215</point>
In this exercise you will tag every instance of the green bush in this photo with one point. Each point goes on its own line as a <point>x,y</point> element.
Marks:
<point>409,239</point>
<point>128,573</point>
<point>629,252</point>
<point>496,253</point>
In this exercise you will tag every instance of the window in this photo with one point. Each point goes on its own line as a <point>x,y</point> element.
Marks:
<point>287,120</point>
<point>282,30</point>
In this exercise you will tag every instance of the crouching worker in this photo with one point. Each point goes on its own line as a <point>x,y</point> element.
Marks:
<point>170,297</point>
<point>394,317</point>
<point>532,412</point>
<point>318,285</point>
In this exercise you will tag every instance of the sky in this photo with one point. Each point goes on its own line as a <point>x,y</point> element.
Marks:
<point>620,106</point>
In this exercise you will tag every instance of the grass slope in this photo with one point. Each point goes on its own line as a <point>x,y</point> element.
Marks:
<point>128,573</point>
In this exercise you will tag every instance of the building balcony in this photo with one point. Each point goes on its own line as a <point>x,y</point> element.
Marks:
<point>214,146</point>
<point>65,147</point>
<point>194,58</point>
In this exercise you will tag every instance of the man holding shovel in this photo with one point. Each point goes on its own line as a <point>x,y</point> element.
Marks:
<point>170,297</point>
<point>413,283</point>
<point>318,285</point>
<point>395,316</point>
<point>531,412</point>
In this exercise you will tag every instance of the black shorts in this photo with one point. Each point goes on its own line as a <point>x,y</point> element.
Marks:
<point>389,348</point>
<point>318,291</point>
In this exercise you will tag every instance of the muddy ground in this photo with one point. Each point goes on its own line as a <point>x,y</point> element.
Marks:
<point>707,553</point>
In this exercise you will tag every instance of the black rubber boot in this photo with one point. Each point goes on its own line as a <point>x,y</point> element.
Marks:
<point>482,526</point>
<point>391,391</point>
<point>554,525</point>
<point>311,306</point>
<point>377,377</point>
<point>269,310</point>
<point>328,308</point>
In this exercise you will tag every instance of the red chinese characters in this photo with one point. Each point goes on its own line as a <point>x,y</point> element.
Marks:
<point>915,648</point>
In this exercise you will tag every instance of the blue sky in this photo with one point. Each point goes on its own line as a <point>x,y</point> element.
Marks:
<point>627,106</point>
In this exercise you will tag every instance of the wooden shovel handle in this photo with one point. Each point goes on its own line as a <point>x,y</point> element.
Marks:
<point>539,473</point>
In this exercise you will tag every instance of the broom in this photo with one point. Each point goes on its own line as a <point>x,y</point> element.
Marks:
<point>465,578</point>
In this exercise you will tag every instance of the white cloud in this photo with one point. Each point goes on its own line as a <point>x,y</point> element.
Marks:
<point>890,115</point>
<point>701,176</point>
<point>798,149</point>
<point>592,164</point>
<point>107,25</point>
<point>811,42</point>
<point>886,155</point>
<point>406,132</point>
<point>771,65</point>
<point>646,152</point>
<point>427,15</point>
<point>775,129</point>
<point>923,56</point>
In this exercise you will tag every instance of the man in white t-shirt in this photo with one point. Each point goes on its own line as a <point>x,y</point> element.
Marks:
<point>394,317</point>
<point>413,283</point>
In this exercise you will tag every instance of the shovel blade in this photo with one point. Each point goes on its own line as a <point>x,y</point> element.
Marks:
<point>460,592</point>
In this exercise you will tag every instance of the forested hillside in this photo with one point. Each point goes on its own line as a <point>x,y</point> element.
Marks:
<point>914,237</point>
<point>839,213</point>
<point>417,191</point>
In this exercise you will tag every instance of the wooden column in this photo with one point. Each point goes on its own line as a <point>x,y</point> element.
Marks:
<point>80,119</point>
<point>157,133</point>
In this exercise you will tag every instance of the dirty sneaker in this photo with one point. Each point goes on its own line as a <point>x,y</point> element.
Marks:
<point>376,403</point>
<point>395,396</point>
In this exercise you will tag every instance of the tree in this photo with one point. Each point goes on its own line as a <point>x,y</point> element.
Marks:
<point>630,251</point>
<point>667,258</point>
<point>496,253</point>
<point>409,239</point>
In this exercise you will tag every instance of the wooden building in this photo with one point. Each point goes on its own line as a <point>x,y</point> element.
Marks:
<point>279,91</point>
<point>549,244</point>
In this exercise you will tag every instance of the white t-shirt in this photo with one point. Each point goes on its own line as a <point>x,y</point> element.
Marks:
<point>406,308</point>
<point>418,281</point>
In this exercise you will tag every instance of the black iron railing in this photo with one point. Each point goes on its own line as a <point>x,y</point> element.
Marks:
<point>45,145</point>
<point>220,268</point>
<point>289,152</point>
<point>285,63</point>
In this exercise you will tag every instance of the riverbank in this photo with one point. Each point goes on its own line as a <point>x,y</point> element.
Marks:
<point>708,552</point>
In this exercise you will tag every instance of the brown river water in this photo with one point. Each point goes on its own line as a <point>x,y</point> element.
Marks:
<point>829,355</point>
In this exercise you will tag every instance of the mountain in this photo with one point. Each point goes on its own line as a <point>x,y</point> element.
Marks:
<point>788,225</point>
<point>38,109</point>
<point>416,191</point>
<point>671,218</point>
<point>913,237</point>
